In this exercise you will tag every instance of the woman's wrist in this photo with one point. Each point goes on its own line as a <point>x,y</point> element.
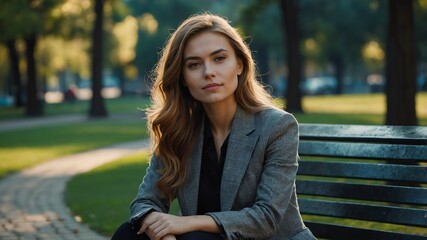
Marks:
<point>203,223</point>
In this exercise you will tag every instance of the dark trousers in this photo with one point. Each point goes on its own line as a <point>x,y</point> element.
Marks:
<point>125,232</point>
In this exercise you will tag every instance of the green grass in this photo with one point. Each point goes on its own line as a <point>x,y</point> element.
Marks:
<point>24,148</point>
<point>366,109</point>
<point>101,197</point>
<point>123,105</point>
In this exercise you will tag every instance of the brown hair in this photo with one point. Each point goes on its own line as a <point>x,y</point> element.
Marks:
<point>175,116</point>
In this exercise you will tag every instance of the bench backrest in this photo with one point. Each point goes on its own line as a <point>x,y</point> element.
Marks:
<point>363,182</point>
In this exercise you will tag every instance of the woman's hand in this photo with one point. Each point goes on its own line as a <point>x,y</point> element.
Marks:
<point>160,225</point>
<point>169,237</point>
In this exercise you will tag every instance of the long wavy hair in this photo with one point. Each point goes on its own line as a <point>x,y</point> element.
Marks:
<point>175,117</point>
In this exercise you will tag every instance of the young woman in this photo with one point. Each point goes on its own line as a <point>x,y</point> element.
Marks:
<point>219,145</point>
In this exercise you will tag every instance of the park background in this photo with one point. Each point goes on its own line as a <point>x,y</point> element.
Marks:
<point>337,62</point>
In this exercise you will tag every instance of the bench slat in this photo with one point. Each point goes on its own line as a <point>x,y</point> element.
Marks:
<point>363,150</point>
<point>381,193</point>
<point>388,172</point>
<point>324,230</point>
<point>385,134</point>
<point>386,214</point>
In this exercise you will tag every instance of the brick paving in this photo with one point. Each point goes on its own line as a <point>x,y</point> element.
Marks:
<point>32,202</point>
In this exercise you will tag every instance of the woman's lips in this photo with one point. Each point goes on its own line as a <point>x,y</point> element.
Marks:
<point>211,86</point>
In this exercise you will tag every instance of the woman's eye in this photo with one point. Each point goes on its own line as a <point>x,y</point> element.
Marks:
<point>219,59</point>
<point>193,65</point>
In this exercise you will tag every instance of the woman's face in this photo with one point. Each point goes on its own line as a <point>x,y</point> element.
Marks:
<point>211,68</point>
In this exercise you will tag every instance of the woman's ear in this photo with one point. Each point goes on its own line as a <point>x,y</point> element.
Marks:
<point>240,66</point>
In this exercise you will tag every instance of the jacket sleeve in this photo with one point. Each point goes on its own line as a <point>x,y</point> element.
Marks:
<point>149,198</point>
<point>276,186</point>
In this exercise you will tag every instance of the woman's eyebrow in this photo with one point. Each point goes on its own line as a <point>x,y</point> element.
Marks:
<point>211,54</point>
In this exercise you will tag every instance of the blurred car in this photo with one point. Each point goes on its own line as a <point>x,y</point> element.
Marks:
<point>319,85</point>
<point>110,88</point>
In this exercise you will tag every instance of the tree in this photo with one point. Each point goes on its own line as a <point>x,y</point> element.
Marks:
<point>34,100</point>
<point>267,49</point>
<point>338,33</point>
<point>290,17</point>
<point>421,34</point>
<point>10,13</point>
<point>15,73</point>
<point>27,19</point>
<point>97,107</point>
<point>401,64</point>
<point>156,19</point>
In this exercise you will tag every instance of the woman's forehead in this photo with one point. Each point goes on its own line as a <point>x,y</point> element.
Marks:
<point>206,43</point>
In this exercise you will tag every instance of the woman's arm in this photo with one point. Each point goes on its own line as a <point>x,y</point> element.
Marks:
<point>149,198</point>
<point>148,211</point>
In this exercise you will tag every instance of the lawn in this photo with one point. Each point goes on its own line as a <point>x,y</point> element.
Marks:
<point>106,205</point>
<point>101,197</point>
<point>123,105</point>
<point>24,148</point>
<point>353,109</point>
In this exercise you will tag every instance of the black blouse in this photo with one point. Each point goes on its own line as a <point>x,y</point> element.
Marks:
<point>210,174</point>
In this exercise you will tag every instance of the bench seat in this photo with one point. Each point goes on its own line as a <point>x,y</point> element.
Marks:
<point>363,182</point>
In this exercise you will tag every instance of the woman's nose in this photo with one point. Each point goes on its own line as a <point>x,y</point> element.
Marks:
<point>209,71</point>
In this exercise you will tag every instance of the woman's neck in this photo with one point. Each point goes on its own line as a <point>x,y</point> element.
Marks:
<point>220,117</point>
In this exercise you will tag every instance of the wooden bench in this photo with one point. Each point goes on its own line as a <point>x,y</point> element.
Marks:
<point>363,182</point>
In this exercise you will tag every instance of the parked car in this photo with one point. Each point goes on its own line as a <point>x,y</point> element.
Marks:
<point>319,85</point>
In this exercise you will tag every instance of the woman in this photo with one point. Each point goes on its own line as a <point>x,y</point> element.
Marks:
<point>219,145</point>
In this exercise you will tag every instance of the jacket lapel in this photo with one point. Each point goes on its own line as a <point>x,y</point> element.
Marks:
<point>188,193</point>
<point>241,145</point>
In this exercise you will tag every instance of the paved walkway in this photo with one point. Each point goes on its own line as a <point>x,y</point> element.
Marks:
<point>42,121</point>
<point>8,125</point>
<point>32,202</point>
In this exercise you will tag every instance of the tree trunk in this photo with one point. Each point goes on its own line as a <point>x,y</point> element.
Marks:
<point>400,64</point>
<point>15,73</point>
<point>293,92</point>
<point>34,102</point>
<point>97,108</point>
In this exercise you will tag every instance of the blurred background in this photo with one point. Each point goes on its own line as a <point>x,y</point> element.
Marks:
<point>54,51</point>
<point>75,75</point>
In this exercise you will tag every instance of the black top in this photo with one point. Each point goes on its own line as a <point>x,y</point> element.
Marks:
<point>210,174</point>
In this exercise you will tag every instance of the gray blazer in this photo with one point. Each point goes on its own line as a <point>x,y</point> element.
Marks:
<point>258,198</point>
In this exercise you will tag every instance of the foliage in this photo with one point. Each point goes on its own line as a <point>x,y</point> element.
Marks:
<point>339,29</point>
<point>420,11</point>
<point>57,55</point>
<point>268,49</point>
<point>5,66</point>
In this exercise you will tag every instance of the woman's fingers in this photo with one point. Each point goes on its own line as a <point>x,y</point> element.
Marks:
<point>158,225</point>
